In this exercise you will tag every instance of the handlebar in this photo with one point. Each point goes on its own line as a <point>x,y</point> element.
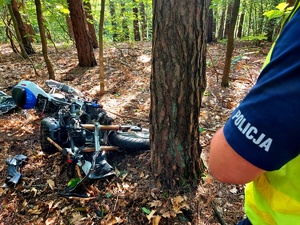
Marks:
<point>63,87</point>
<point>103,127</point>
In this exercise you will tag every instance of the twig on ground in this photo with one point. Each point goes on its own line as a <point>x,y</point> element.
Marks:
<point>128,117</point>
<point>219,217</point>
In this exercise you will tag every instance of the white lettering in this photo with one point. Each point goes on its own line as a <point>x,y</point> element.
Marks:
<point>266,144</point>
<point>240,127</point>
<point>259,139</point>
<point>251,132</point>
<point>238,113</point>
<point>246,128</point>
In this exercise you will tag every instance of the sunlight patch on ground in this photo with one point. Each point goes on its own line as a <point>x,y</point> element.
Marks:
<point>144,58</point>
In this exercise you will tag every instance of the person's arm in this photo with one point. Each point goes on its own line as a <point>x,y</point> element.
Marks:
<point>226,165</point>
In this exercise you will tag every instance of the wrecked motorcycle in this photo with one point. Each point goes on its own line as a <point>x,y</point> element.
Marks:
<point>79,128</point>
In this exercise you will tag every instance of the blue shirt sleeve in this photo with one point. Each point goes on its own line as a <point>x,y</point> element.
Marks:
<point>265,128</point>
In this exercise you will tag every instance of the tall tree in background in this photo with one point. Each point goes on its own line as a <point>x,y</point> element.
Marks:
<point>18,35</point>
<point>136,30</point>
<point>44,39</point>
<point>90,23</point>
<point>83,41</point>
<point>230,42</point>
<point>271,25</point>
<point>291,2</point>
<point>210,24</point>
<point>101,63</point>
<point>70,27</point>
<point>178,73</point>
<point>125,29</point>
<point>21,27</point>
<point>143,20</point>
<point>113,15</point>
<point>222,22</point>
<point>241,21</point>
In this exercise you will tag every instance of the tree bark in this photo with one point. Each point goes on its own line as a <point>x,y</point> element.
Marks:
<point>222,23</point>
<point>90,23</point>
<point>177,79</point>
<point>101,63</point>
<point>44,39</point>
<point>136,29</point>
<point>112,11</point>
<point>22,29</point>
<point>18,35</point>
<point>230,43</point>
<point>210,24</point>
<point>125,29</point>
<point>143,21</point>
<point>70,28</point>
<point>241,23</point>
<point>83,41</point>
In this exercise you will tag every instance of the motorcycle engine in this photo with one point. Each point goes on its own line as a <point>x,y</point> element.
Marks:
<point>79,137</point>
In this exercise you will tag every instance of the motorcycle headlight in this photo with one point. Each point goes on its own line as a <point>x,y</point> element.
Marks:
<point>23,97</point>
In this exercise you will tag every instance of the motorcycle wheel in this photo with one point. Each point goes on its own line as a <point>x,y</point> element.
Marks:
<point>49,128</point>
<point>130,141</point>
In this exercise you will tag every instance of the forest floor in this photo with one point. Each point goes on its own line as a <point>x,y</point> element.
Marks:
<point>133,196</point>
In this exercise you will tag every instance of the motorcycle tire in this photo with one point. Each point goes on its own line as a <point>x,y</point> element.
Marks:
<point>50,128</point>
<point>130,141</point>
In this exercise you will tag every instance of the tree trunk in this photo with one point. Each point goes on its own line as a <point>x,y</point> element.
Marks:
<point>261,18</point>
<point>136,29</point>
<point>125,29</point>
<point>271,25</point>
<point>230,43</point>
<point>228,17</point>
<point>9,35</point>
<point>210,24</point>
<point>178,73</point>
<point>24,36</point>
<point>101,63</point>
<point>112,12</point>
<point>18,35</point>
<point>241,23</point>
<point>291,2</point>
<point>83,41</point>
<point>222,22</point>
<point>90,23</point>
<point>70,28</point>
<point>44,39</point>
<point>143,21</point>
<point>250,16</point>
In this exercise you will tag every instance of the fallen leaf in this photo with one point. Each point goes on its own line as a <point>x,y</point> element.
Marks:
<point>156,220</point>
<point>51,184</point>
<point>36,210</point>
<point>51,221</point>
<point>155,203</point>
<point>166,214</point>
<point>150,216</point>
<point>34,190</point>
<point>233,190</point>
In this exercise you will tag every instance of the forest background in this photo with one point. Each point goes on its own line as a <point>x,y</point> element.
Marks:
<point>31,29</point>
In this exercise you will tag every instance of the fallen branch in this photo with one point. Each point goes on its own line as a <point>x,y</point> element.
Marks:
<point>219,217</point>
<point>128,117</point>
<point>82,199</point>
